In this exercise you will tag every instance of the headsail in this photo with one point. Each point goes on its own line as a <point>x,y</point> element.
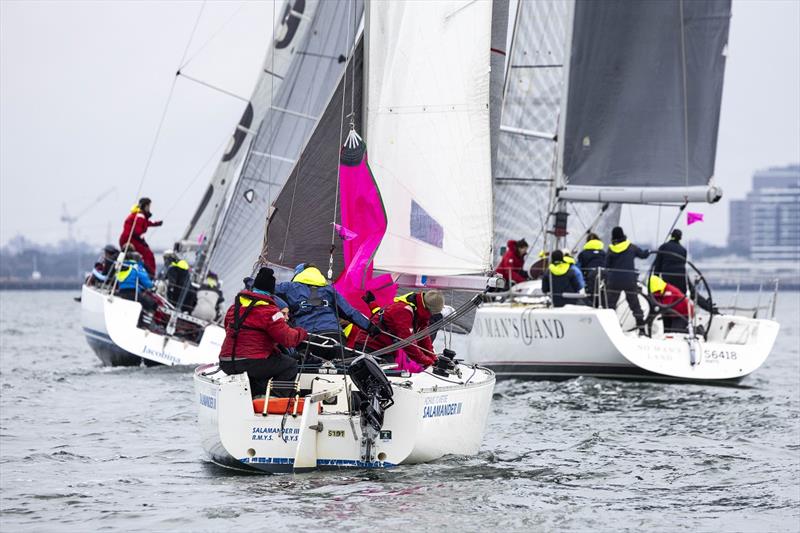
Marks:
<point>318,62</point>
<point>300,226</point>
<point>644,100</point>
<point>428,132</point>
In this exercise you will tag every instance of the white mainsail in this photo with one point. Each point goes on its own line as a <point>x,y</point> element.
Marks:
<point>428,133</point>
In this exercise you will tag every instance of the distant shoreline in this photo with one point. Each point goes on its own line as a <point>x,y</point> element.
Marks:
<point>53,284</point>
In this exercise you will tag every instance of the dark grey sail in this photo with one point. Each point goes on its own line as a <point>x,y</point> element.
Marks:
<point>316,68</point>
<point>644,99</point>
<point>301,224</point>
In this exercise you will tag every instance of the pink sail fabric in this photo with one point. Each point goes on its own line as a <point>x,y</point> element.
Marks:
<point>344,233</point>
<point>363,217</point>
<point>404,362</point>
<point>691,218</point>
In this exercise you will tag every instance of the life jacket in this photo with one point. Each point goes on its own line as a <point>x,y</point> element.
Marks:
<point>593,244</point>
<point>313,279</point>
<point>124,272</point>
<point>559,269</point>
<point>619,247</point>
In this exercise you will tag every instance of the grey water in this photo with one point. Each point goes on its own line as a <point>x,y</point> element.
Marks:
<point>87,448</point>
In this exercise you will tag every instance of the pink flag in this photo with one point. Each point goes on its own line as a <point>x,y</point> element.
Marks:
<point>344,233</point>
<point>691,218</point>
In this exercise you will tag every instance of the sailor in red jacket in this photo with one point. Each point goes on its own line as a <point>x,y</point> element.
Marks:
<point>511,265</point>
<point>401,319</point>
<point>676,318</point>
<point>136,224</point>
<point>254,327</point>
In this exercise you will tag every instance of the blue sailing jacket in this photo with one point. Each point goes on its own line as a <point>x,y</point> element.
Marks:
<point>320,314</point>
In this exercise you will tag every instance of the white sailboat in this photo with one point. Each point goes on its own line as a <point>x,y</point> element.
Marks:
<point>301,69</point>
<point>423,93</point>
<point>639,112</point>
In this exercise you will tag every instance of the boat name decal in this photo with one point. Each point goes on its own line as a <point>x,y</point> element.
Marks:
<point>208,401</point>
<point>525,327</point>
<point>442,409</point>
<point>266,433</point>
<point>147,351</point>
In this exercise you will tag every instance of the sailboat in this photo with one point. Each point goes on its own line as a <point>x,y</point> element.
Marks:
<point>420,93</point>
<point>302,66</point>
<point>637,119</point>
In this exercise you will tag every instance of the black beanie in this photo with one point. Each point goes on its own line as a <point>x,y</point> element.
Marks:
<point>556,256</point>
<point>265,280</point>
<point>617,234</point>
<point>677,234</point>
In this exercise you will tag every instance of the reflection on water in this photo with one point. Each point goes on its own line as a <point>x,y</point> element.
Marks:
<point>84,448</point>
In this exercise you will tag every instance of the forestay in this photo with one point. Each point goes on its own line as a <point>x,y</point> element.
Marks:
<point>428,133</point>
<point>644,100</point>
<point>318,62</point>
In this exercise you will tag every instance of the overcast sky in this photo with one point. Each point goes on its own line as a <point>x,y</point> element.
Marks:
<point>83,86</point>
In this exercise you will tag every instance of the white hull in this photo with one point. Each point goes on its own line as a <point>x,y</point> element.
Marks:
<point>532,341</point>
<point>429,419</point>
<point>110,326</point>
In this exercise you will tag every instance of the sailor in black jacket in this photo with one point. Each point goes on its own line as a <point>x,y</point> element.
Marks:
<point>669,266</point>
<point>621,272</point>
<point>563,280</point>
<point>592,258</point>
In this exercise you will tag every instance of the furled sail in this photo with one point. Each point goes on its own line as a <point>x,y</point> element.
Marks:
<point>644,100</point>
<point>291,28</point>
<point>301,226</point>
<point>317,64</point>
<point>428,132</point>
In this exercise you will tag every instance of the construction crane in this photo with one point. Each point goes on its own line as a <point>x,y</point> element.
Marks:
<point>71,219</point>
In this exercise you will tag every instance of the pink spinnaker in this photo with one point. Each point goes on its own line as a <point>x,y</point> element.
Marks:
<point>362,214</point>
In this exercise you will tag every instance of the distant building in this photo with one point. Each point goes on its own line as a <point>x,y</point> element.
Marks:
<point>766,224</point>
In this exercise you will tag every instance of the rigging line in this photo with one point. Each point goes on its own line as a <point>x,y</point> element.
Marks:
<point>197,175</point>
<point>262,254</point>
<point>214,87</point>
<point>213,36</point>
<point>158,132</point>
<point>351,56</point>
<point>685,99</point>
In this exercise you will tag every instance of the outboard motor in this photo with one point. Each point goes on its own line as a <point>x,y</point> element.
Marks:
<point>375,397</point>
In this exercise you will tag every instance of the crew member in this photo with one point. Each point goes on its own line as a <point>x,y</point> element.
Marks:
<point>134,228</point>
<point>104,267</point>
<point>574,267</point>
<point>209,299</point>
<point>407,315</point>
<point>179,282</point>
<point>133,282</point>
<point>254,328</point>
<point>511,265</point>
<point>560,279</point>
<point>317,307</point>
<point>621,273</point>
<point>591,259</point>
<point>676,318</point>
<point>670,263</point>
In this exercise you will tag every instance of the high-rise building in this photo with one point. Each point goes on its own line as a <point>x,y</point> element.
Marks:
<point>766,224</point>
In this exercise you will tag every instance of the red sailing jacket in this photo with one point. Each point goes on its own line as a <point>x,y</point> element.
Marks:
<point>139,222</point>
<point>400,319</point>
<point>511,264</point>
<point>263,329</point>
<point>672,294</point>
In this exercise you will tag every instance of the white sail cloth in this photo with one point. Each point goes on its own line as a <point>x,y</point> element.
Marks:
<point>428,133</point>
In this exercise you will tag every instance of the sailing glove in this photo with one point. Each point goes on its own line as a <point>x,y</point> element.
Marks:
<point>373,330</point>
